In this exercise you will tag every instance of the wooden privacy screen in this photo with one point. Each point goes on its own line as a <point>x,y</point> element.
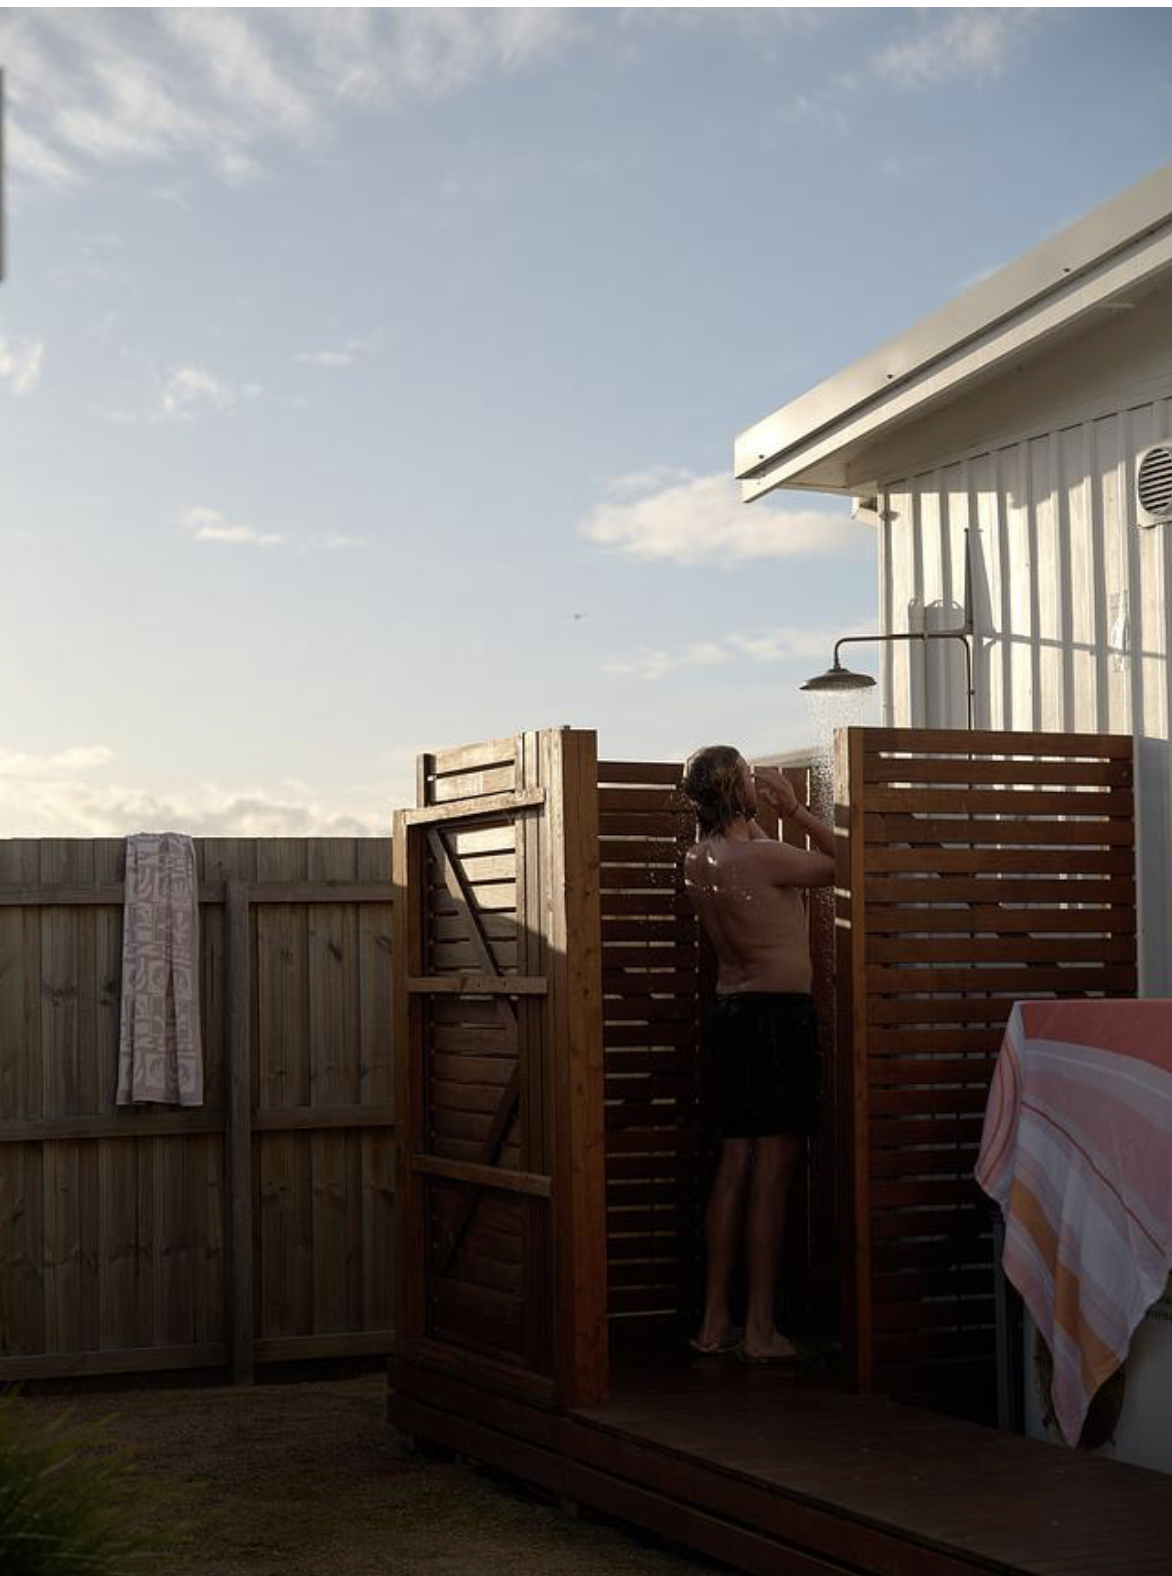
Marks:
<point>501,1187</point>
<point>979,869</point>
<point>657,1142</point>
<point>255,1227</point>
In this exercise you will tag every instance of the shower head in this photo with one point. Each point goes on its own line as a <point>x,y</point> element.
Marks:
<point>838,678</point>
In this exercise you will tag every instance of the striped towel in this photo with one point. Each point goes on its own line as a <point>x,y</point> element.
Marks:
<point>1077,1151</point>
<point>159,1055</point>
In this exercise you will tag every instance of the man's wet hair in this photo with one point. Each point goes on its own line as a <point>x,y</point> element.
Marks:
<point>714,784</point>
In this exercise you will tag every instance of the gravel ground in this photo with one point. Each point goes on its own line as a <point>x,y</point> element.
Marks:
<point>307,1479</point>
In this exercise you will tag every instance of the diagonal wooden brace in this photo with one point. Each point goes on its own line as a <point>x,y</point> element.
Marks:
<point>460,890</point>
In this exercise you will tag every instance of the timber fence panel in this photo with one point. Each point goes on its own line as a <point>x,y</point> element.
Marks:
<point>950,909</point>
<point>136,1238</point>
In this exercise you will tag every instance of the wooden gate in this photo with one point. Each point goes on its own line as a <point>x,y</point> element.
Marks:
<point>501,1205</point>
<point>975,870</point>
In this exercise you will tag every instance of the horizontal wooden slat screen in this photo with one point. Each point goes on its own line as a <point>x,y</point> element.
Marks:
<point>657,1141</point>
<point>975,870</point>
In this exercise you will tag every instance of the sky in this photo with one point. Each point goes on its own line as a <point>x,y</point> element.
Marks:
<point>369,379</point>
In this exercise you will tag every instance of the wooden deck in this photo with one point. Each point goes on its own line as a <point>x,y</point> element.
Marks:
<point>783,1476</point>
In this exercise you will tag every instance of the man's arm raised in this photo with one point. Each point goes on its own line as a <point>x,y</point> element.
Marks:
<point>810,868</point>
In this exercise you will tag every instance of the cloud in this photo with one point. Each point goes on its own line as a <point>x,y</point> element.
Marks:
<point>107,87</point>
<point>961,46</point>
<point>59,807</point>
<point>341,543</point>
<point>333,542</point>
<point>820,119</point>
<point>240,67</point>
<point>784,643</point>
<point>191,389</point>
<point>343,355</point>
<point>701,520</point>
<point>67,793</point>
<point>79,758</point>
<point>652,665</point>
<point>789,641</point>
<point>209,525</point>
<point>39,163</point>
<point>324,358</point>
<point>21,363</point>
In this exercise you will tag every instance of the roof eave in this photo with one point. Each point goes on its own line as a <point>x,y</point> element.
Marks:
<point>1076,272</point>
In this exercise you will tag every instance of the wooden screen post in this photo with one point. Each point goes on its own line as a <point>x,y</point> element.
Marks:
<point>410,1227</point>
<point>238,1056</point>
<point>851,1051</point>
<point>575,1065</point>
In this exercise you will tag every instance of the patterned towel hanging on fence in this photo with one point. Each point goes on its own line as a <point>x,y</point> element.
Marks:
<point>159,1052</point>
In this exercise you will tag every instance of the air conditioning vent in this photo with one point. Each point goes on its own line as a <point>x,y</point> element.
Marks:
<point>1153,484</point>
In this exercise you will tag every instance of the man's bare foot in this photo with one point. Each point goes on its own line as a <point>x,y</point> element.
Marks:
<point>716,1337</point>
<point>771,1346</point>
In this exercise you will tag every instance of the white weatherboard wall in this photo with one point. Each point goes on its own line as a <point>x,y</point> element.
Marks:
<point>1072,602</point>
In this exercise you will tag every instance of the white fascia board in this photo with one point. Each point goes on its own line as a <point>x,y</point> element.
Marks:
<point>1039,293</point>
<point>1024,334</point>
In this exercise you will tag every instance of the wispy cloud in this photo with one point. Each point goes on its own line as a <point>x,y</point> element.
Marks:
<point>782,643</point>
<point>701,520</point>
<point>958,46</point>
<point>96,88</point>
<point>657,664</point>
<point>789,641</point>
<point>333,542</point>
<point>21,363</point>
<point>186,393</point>
<point>78,758</point>
<point>343,355</point>
<point>341,543</point>
<point>324,358</point>
<point>209,525</point>
<point>189,390</point>
<point>818,117</point>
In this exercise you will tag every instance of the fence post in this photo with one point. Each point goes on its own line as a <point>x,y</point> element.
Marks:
<point>238,1064</point>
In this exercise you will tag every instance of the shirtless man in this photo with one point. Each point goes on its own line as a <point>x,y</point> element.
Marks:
<point>747,889</point>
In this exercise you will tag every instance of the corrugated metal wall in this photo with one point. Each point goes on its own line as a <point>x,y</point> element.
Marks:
<point>1071,604</point>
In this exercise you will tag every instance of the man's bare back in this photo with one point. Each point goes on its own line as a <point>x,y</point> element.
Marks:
<point>747,889</point>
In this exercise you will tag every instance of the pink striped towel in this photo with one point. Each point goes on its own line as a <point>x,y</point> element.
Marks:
<point>1077,1151</point>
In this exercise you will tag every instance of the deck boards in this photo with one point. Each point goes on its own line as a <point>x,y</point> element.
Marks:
<point>1012,1503</point>
<point>780,1475</point>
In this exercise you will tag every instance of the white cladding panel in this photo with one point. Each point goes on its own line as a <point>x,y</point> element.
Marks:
<point>1071,606</point>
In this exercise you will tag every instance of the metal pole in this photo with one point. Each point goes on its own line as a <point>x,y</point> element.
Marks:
<point>928,634</point>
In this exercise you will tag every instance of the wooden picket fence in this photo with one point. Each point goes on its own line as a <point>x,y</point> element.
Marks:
<point>256,1228</point>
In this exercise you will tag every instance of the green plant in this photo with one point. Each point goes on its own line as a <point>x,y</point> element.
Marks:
<point>68,1507</point>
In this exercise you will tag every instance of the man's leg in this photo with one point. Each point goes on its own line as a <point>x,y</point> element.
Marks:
<point>722,1221</point>
<point>775,1159</point>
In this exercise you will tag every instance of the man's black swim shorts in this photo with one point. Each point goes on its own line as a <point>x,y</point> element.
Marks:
<point>764,1048</point>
